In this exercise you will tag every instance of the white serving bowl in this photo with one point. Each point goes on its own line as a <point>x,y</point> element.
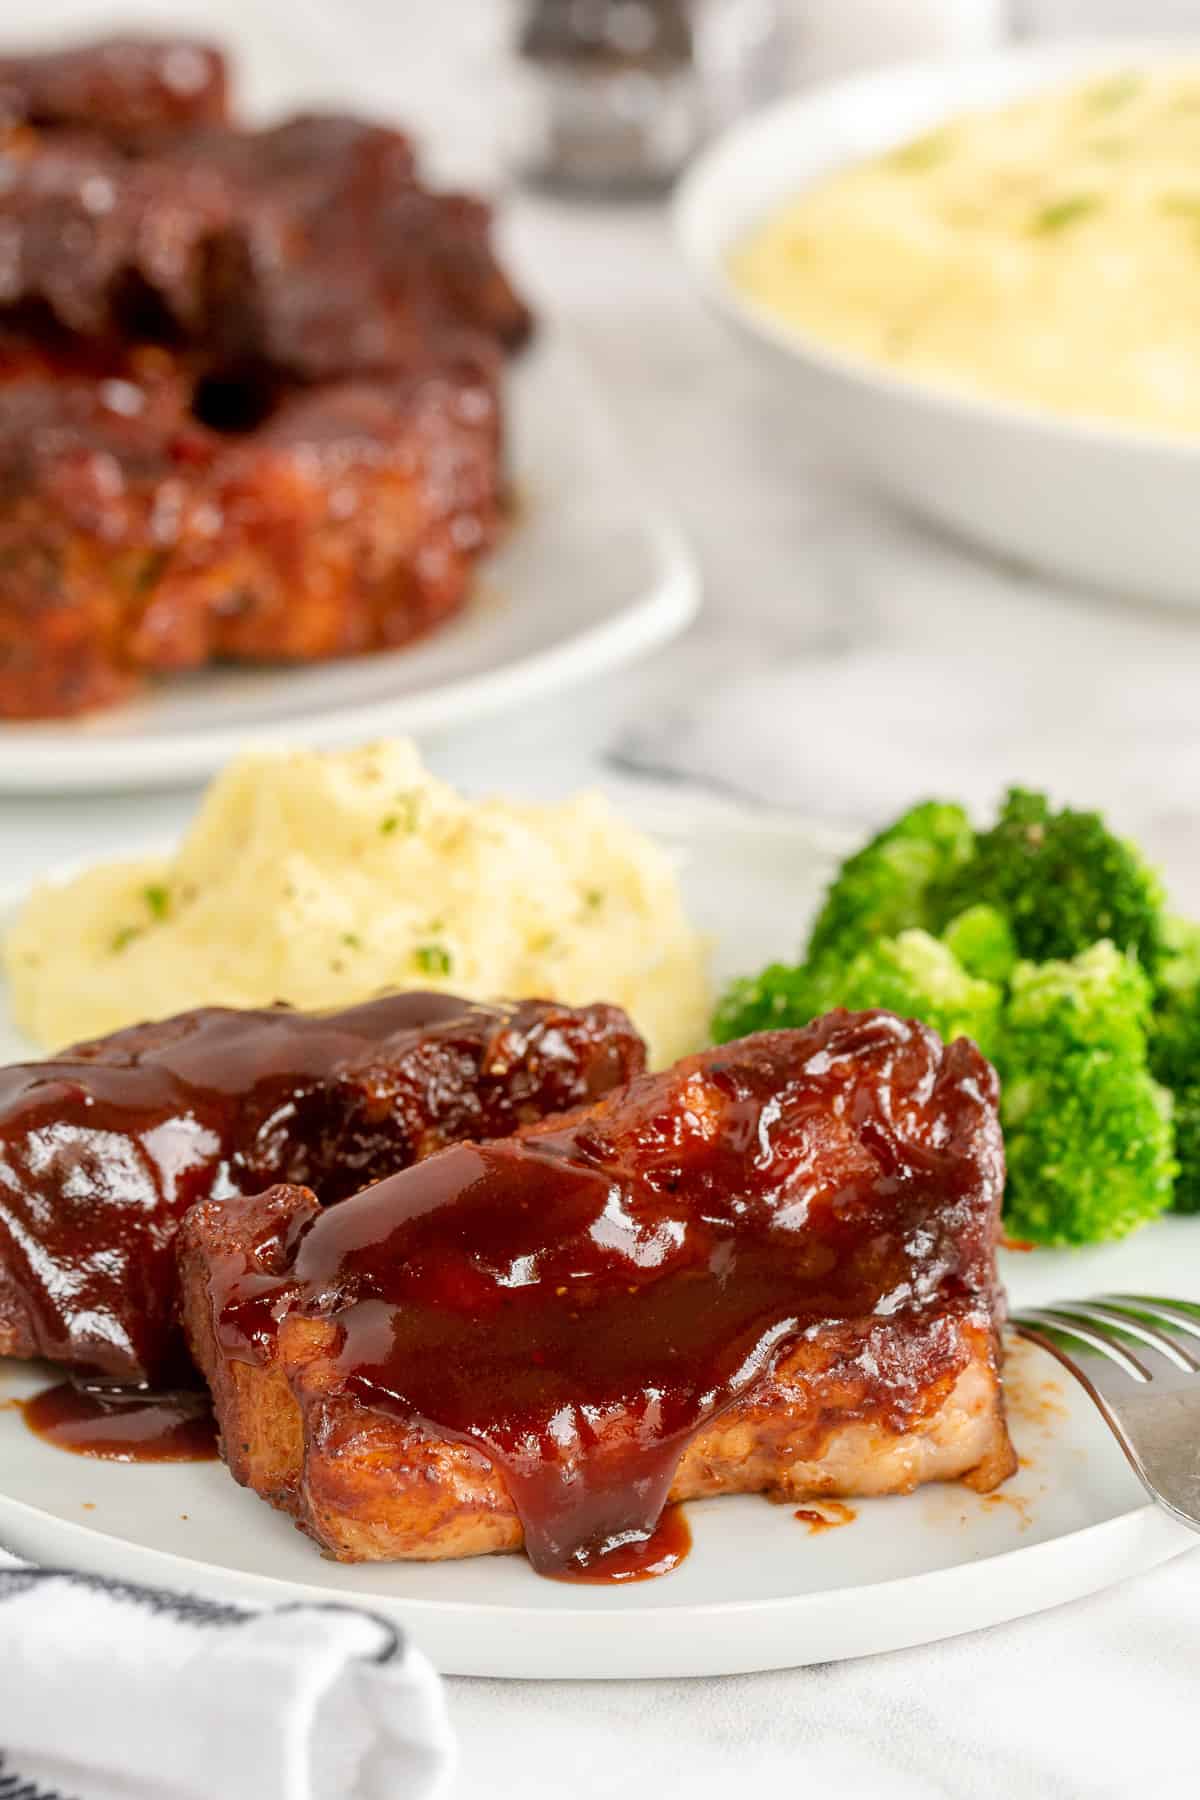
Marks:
<point>1103,504</point>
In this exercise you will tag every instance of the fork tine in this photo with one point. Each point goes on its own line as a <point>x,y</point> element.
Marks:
<point>1146,1341</point>
<point>1181,1315</point>
<point>1096,1357</point>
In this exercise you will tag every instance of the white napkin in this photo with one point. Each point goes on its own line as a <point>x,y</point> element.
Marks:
<point>1095,1701</point>
<point>113,1690</point>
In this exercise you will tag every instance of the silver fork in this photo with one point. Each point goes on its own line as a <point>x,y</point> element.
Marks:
<point>1139,1359</point>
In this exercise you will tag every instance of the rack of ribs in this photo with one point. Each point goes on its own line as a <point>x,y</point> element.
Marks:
<point>250,381</point>
<point>104,1147</point>
<point>771,1268</point>
<point>135,539</point>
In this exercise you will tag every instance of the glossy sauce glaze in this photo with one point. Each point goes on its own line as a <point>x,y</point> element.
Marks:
<point>639,1558</point>
<point>581,1301</point>
<point>103,1148</point>
<point>123,1425</point>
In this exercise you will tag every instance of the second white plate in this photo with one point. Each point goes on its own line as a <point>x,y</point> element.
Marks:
<point>759,1589</point>
<point>591,576</point>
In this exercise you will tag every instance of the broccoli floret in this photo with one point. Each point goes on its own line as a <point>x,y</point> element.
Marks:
<point>1100,1000</point>
<point>982,940</point>
<point>1175,1052</point>
<point>877,892</point>
<point>1186,1107</point>
<point>913,974</point>
<point>1062,880</point>
<point>882,889</point>
<point>780,996</point>
<point>916,976</point>
<point>1090,1149</point>
<point>1179,970</point>
<point>1088,1130</point>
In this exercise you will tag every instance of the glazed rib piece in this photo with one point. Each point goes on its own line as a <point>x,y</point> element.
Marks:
<point>136,539</point>
<point>771,1268</point>
<point>109,248</point>
<point>104,1147</point>
<point>310,247</point>
<point>124,87</point>
<point>336,258</point>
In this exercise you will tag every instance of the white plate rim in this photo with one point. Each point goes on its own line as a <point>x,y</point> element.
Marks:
<point>1034,64</point>
<point>1041,1576</point>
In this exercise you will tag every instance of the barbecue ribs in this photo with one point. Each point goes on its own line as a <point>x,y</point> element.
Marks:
<point>250,390</point>
<point>104,1147</point>
<point>134,539</point>
<point>770,1268</point>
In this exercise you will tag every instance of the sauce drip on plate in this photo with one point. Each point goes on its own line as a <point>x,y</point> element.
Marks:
<point>124,1425</point>
<point>641,1559</point>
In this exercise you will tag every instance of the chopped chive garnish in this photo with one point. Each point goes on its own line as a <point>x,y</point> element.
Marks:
<point>923,153</point>
<point>352,940</point>
<point>389,825</point>
<point>158,899</point>
<point>124,937</point>
<point>1181,206</point>
<point>433,959</point>
<point>1061,213</point>
<point>1114,92</point>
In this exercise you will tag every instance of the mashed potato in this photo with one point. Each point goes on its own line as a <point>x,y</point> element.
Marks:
<point>1047,254</point>
<point>321,879</point>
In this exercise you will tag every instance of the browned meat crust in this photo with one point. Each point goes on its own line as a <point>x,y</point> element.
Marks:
<point>134,539</point>
<point>311,247</point>
<point>770,1269</point>
<point>124,87</point>
<point>105,1146</point>
<point>312,466</point>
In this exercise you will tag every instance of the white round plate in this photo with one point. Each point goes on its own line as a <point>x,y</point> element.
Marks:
<point>1103,504</point>
<point>759,1590</point>
<point>591,576</point>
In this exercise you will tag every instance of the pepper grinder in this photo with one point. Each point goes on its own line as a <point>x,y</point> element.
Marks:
<point>613,96</point>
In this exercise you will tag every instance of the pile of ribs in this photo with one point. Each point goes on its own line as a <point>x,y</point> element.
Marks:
<point>250,380</point>
<point>464,1278</point>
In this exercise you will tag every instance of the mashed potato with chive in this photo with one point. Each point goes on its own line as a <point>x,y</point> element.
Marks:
<point>1047,253</point>
<point>322,878</point>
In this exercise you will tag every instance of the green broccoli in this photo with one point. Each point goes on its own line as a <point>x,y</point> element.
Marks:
<point>780,996</point>
<point>878,891</point>
<point>982,940</point>
<point>1175,1052</point>
<point>1089,1031</point>
<point>915,975</point>
<point>1100,1000</point>
<point>882,889</point>
<point>1186,1107</point>
<point>912,974</point>
<point>1088,1130</point>
<point>1090,1150</point>
<point>1179,973</point>
<point>1062,880</point>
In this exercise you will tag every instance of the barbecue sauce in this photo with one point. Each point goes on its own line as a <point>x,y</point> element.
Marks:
<point>104,1148</point>
<point>581,1302</point>
<point>124,1425</point>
